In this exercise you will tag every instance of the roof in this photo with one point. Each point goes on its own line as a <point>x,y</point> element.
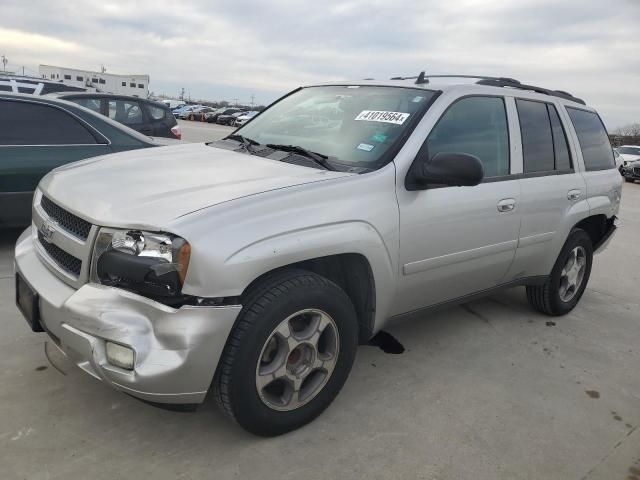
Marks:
<point>104,95</point>
<point>473,85</point>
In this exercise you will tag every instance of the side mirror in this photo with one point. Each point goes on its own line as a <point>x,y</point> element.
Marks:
<point>453,169</point>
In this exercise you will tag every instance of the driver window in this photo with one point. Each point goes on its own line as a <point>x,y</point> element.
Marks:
<point>476,126</point>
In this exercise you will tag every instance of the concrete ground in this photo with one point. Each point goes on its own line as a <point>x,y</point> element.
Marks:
<point>203,131</point>
<point>486,390</point>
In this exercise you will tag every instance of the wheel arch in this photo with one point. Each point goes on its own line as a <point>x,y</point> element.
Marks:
<point>351,272</point>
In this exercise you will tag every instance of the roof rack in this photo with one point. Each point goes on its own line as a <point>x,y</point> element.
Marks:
<point>497,82</point>
<point>507,83</point>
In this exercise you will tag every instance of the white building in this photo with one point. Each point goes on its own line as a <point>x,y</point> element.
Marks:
<point>137,85</point>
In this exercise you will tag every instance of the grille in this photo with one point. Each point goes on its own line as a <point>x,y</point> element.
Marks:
<point>67,220</point>
<point>66,261</point>
<point>636,171</point>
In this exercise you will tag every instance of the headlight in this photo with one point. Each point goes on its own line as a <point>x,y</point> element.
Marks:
<point>151,264</point>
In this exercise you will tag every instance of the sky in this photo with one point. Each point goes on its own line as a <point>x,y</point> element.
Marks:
<point>221,50</point>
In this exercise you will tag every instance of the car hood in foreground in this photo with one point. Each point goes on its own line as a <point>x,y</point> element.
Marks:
<point>152,186</point>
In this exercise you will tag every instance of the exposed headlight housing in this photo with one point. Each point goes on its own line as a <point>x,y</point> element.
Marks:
<point>148,263</point>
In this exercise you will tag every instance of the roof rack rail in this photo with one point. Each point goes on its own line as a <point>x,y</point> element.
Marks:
<point>505,82</point>
<point>424,78</point>
<point>497,82</point>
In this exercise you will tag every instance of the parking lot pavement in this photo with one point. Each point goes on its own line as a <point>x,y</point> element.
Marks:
<point>203,131</point>
<point>486,390</point>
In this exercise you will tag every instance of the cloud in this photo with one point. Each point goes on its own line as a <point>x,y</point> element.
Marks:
<point>216,48</point>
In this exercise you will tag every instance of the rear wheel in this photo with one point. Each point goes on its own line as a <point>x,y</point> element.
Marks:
<point>568,280</point>
<point>289,353</point>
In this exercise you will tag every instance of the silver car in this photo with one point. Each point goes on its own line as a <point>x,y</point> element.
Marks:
<point>255,265</point>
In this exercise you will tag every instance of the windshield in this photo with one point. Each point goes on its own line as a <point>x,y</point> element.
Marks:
<point>352,125</point>
<point>629,150</point>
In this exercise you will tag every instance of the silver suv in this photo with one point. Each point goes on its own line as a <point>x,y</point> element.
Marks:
<point>254,265</point>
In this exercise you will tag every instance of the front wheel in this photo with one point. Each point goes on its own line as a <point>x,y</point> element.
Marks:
<point>568,280</point>
<point>628,180</point>
<point>289,353</point>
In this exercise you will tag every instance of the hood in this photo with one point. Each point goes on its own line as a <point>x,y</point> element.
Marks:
<point>628,157</point>
<point>148,188</point>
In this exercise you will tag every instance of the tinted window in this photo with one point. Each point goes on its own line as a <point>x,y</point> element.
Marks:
<point>124,84</point>
<point>102,80</point>
<point>24,123</point>
<point>140,85</point>
<point>157,113</point>
<point>125,111</point>
<point>593,138</point>
<point>94,80</point>
<point>560,147</point>
<point>67,77</point>
<point>537,141</point>
<point>477,126</point>
<point>79,79</point>
<point>132,85</point>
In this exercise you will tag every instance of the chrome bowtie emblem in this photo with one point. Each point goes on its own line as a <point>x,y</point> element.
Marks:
<point>47,229</point>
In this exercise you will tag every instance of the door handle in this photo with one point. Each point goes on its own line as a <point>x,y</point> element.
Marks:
<point>506,205</point>
<point>574,194</point>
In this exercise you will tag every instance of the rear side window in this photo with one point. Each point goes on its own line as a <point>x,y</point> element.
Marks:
<point>544,143</point>
<point>157,113</point>
<point>25,123</point>
<point>593,138</point>
<point>537,140</point>
<point>477,126</point>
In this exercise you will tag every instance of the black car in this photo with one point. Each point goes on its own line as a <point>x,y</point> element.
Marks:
<point>40,133</point>
<point>213,117</point>
<point>145,116</point>
<point>631,171</point>
<point>229,119</point>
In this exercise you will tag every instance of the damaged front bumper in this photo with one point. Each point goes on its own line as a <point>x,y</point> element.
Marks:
<point>176,350</point>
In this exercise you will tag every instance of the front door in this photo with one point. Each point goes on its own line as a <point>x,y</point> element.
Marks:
<point>455,241</point>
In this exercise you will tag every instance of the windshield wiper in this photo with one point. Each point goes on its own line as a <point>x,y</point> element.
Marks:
<point>247,143</point>
<point>319,158</point>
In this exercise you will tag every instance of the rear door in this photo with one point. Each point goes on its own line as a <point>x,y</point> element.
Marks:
<point>553,191</point>
<point>36,138</point>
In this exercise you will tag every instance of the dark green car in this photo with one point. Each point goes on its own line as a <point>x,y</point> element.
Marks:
<point>38,134</point>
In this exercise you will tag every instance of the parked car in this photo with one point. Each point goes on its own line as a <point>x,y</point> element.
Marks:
<point>173,104</point>
<point>229,119</point>
<point>184,115</point>
<point>40,133</point>
<point>254,265</point>
<point>629,153</point>
<point>618,159</point>
<point>631,171</point>
<point>212,117</point>
<point>244,118</point>
<point>178,112</point>
<point>199,113</point>
<point>144,116</point>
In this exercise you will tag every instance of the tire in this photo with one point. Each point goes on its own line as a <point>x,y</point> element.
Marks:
<point>629,180</point>
<point>548,298</point>
<point>276,408</point>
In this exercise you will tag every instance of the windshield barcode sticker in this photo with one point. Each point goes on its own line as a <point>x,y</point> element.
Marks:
<point>397,118</point>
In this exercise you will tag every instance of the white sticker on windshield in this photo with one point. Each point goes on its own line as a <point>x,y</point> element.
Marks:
<point>397,118</point>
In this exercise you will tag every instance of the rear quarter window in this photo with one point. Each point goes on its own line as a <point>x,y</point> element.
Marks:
<point>594,141</point>
<point>157,113</point>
